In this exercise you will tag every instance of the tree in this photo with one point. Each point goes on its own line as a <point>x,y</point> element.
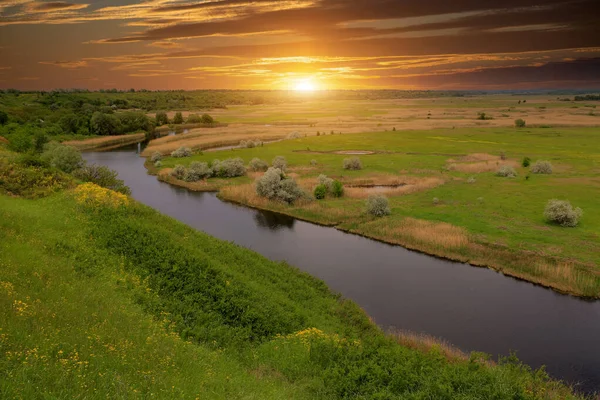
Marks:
<point>162,118</point>
<point>207,119</point>
<point>105,124</point>
<point>178,118</point>
<point>3,117</point>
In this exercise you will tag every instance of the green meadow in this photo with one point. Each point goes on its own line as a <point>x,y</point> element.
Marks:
<point>451,180</point>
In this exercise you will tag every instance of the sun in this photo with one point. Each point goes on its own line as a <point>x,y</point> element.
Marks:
<point>305,85</point>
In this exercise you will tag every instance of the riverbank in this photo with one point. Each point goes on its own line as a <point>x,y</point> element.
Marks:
<point>97,289</point>
<point>488,223</point>
<point>106,143</point>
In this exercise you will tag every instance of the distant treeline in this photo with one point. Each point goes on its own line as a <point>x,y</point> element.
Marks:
<point>588,97</point>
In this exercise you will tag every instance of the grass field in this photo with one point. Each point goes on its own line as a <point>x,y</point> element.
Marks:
<point>499,220</point>
<point>106,298</point>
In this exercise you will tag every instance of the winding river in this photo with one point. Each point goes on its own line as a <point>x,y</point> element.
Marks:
<point>472,308</point>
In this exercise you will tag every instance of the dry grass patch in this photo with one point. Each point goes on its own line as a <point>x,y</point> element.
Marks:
<point>480,167</point>
<point>106,143</point>
<point>421,232</point>
<point>426,343</point>
<point>204,142</point>
<point>391,185</point>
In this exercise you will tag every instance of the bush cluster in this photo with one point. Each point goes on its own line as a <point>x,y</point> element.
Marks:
<point>182,152</point>
<point>541,167</point>
<point>378,205</point>
<point>274,185</point>
<point>562,212</point>
<point>506,171</point>
<point>327,186</point>
<point>352,163</point>
<point>229,168</point>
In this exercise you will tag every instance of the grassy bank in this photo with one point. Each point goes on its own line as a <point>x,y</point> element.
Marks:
<point>102,297</point>
<point>450,202</point>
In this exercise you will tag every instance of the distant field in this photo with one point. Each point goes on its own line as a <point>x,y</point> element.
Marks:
<point>357,116</point>
<point>499,221</point>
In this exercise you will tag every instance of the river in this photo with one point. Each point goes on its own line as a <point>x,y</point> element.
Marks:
<point>471,308</point>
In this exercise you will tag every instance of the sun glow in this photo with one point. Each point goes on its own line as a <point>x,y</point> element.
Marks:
<point>305,85</point>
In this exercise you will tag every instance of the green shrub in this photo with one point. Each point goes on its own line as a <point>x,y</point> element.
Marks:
<point>156,156</point>
<point>162,118</point>
<point>179,172</point>
<point>182,152</point>
<point>541,167</point>
<point>207,119</point>
<point>520,123</point>
<point>506,171</point>
<point>352,163</point>
<point>337,189</point>
<point>273,185</point>
<point>178,118</point>
<point>229,168</point>
<point>378,205</point>
<point>102,176</point>
<point>279,162</point>
<point>256,165</point>
<point>526,162</point>
<point>20,141</point>
<point>193,119</point>
<point>320,192</point>
<point>65,158</point>
<point>562,212</point>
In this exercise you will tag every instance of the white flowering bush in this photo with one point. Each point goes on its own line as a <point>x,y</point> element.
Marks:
<point>279,162</point>
<point>378,205</point>
<point>256,164</point>
<point>352,163</point>
<point>506,171</point>
<point>156,156</point>
<point>562,212</point>
<point>182,152</point>
<point>541,167</point>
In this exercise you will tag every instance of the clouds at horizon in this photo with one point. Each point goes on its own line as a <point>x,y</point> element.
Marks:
<point>261,44</point>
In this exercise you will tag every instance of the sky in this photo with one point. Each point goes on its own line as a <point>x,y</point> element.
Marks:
<point>300,44</point>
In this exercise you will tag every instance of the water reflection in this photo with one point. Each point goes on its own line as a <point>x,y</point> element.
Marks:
<point>273,221</point>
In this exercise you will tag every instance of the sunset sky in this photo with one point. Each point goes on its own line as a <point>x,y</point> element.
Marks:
<point>282,44</point>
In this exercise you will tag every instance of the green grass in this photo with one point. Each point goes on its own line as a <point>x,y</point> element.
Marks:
<point>495,211</point>
<point>127,303</point>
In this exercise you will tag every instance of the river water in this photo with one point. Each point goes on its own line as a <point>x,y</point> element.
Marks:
<point>472,308</point>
